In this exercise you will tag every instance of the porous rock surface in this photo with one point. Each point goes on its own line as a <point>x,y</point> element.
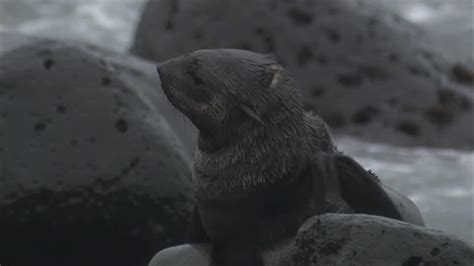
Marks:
<point>350,239</point>
<point>358,239</point>
<point>366,71</point>
<point>93,165</point>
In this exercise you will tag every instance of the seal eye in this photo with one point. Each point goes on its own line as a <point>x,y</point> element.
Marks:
<point>197,81</point>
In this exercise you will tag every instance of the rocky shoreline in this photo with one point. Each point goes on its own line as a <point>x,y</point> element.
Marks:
<point>95,163</point>
<point>350,239</point>
<point>365,70</point>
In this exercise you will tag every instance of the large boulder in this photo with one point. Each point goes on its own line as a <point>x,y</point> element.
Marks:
<point>350,239</point>
<point>366,71</point>
<point>10,40</point>
<point>358,239</point>
<point>94,169</point>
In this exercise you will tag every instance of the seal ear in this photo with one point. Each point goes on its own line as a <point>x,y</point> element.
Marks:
<point>274,71</point>
<point>251,113</point>
<point>271,57</point>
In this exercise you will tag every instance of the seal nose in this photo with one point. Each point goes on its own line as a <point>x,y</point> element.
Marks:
<point>158,66</point>
<point>170,65</point>
<point>165,67</point>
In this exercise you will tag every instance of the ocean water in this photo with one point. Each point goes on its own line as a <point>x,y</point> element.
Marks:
<point>439,181</point>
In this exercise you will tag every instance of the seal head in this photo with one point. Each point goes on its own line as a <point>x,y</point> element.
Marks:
<point>220,91</point>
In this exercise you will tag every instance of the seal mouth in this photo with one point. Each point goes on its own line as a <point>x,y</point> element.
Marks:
<point>177,88</point>
<point>166,84</point>
<point>169,87</point>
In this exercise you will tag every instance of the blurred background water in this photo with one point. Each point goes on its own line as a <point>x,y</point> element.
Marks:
<point>439,181</point>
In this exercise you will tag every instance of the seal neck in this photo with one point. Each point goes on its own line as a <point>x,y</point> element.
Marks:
<point>238,130</point>
<point>211,143</point>
<point>232,131</point>
<point>259,156</point>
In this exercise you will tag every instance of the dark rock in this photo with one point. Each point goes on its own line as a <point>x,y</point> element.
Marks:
<point>95,170</point>
<point>358,52</point>
<point>408,128</point>
<point>365,115</point>
<point>358,239</point>
<point>463,74</point>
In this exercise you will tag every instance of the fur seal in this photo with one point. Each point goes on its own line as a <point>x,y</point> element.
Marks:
<point>263,165</point>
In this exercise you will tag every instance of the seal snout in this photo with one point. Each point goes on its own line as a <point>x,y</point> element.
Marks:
<point>167,71</point>
<point>169,66</point>
<point>161,68</point>
<point>166,76</point>
<point>158,69</point>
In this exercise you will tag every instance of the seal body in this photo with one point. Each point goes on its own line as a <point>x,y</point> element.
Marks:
<point>263,166</point>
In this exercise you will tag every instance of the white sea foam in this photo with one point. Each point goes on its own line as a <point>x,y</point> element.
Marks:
<point>439,181</point>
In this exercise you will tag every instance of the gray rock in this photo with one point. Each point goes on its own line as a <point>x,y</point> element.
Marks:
<point>94,168</point>
<point>348,239</point>
<point>183,255</point>
<point>366,71</point>
<point>11,40</point>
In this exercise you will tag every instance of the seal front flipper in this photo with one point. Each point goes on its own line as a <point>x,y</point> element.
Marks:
<point>196,232</point>
<point>408,210</point>
<point>362,191</point>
